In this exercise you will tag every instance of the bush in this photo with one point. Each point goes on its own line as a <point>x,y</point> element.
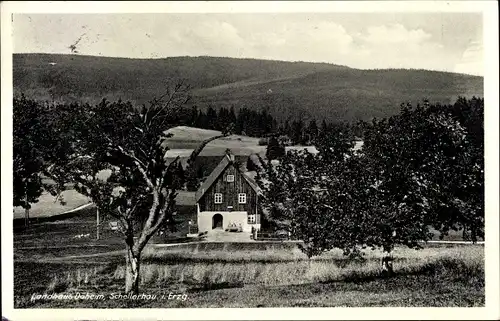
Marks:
<point>274,149</point>
<point>263,142</point>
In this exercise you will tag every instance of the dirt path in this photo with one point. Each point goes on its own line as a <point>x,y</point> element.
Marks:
<point>71,258</point>
<point>60,247</point>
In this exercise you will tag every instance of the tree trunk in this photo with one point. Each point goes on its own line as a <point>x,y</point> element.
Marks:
<point>26,217</point>
<point>97,225</point>
<point>26,210</point>
<point>387,267</point>
<point>132,271</point>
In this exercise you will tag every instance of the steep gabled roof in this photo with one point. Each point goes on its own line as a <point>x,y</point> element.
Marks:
<point>225,162</point>
<point>251,182</point>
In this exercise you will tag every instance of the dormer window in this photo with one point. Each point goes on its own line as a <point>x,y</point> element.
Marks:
<point>230,178</point>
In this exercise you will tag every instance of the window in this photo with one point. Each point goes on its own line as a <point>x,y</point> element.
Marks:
<point>242,198</point>
<point>251,218</point>
<point>218,198</point>
<point>230,178</point>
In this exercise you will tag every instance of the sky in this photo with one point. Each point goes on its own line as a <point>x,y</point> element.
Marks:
<point>448,41</point>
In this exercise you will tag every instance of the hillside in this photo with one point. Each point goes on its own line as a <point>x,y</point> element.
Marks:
<point>287,89</point>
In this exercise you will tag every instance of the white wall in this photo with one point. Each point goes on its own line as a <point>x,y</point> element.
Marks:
<point>205,220</point>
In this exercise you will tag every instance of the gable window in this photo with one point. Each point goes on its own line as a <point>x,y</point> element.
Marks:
<point>230,178</point>
<point>251,218</point>
<point>242,198</point>
<point>218,198</point>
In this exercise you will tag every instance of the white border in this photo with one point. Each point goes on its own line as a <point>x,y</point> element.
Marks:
<point>490,14</point>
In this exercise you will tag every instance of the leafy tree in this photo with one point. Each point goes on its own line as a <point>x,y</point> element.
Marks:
<point>324,127</point>
<point>286,130</point>
<point>41,141</point>
<point>312,196</point>
<point>427,171</point>
<point>193,119</point>
<point>141,188</point>
<point>222,118</point>
<point>232,116</point>
<point>274,149</point>
<point>251,165</point>
<point>312,131</point>
<point>298,132</point>
<point>211,121</point>
<point>28,153</point>
<point>202,120</point>
<point>421,168</point>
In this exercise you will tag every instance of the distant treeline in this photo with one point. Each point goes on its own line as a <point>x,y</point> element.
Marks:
<point>245,122</point>
<point>258,124</point>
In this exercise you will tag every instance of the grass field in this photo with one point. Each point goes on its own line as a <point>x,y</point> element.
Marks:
<point>49,259</point>
<point>436,276</point>
<point>185,139</point>
<point>49,205</point>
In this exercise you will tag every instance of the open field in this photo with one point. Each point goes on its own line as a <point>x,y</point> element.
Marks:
<point>436,276</point>
<point>49,257</point>
<point>185,139</point>
<point>50,209</point>
<point>48,205</point>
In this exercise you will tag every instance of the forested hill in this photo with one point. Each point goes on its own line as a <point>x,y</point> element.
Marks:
<point>285,89</point>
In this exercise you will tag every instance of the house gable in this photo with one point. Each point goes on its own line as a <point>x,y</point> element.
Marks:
<point>217,183</point>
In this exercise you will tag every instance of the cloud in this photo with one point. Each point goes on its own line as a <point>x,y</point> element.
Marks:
<point>394,34</point>
<point>319,42</point>
<point>359,44</point>
<point>207,37</point>
<point>396,46</point>
<point>471,61</point>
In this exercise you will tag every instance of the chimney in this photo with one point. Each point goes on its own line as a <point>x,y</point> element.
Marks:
<point>230,155</point>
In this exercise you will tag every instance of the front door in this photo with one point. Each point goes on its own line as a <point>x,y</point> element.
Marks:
<point>217,221</point>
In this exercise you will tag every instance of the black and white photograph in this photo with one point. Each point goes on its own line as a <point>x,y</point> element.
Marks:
<point>182,156</point>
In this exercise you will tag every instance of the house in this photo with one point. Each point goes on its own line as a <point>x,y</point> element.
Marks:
<point>228,197</point>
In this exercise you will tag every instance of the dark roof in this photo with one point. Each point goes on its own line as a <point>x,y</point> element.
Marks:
<point>227,160</point>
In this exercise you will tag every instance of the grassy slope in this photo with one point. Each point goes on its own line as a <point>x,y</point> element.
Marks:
<point>49,205</point>
<point>214,275</point>
<point>286,88</point>
<point>185,139</point>
<point>431,277</point>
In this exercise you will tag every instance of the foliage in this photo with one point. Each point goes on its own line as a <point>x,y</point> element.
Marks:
<point>40,141</point>
<point>263,142</point>
<point>251,166</point>
<point>274,149</point>
<point>310,195</point>
<point>422,168</point>
<point>28,151</point>
<point>116,157</point>
<point>427,165</point>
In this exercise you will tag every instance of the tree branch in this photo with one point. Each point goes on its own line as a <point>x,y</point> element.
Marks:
<point>139,165</point>
<point>200,147</point>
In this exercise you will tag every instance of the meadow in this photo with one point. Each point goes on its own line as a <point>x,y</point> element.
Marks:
<point>49,205</point>
<point>267,275</point>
